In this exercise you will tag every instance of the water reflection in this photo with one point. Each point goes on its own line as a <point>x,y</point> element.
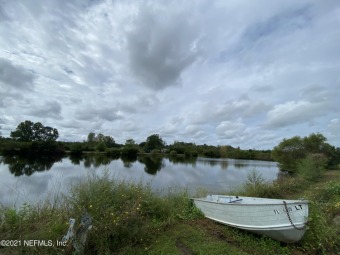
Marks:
<point>183,161</point>
<point>28,165</point>
<point>96,161</point>
<point>240,165</point>
<point>37,177</point>
<point>152,164</point>
<point>128,161</point>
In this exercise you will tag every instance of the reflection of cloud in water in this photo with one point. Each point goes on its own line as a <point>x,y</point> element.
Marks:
<point>201,174</point>
<point>25,188</point>
<point>37,185</point>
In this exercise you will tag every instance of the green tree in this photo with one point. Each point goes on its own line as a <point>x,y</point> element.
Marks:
<point>130,142</point>
<point>288,153</point>
<point>101,147</point>
<point>109,141</point>
<point>154,142</point>
<point>28,131</point>
<point>315,143</point>
<point>91,137</point>
<point>100,138</point>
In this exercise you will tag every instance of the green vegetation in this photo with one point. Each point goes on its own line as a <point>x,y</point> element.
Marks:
<point>312,166</point>
<point>290,152</point>
<point>154,142</point>
<point>125,216</point>
<point>31,149</point>
<point>28,132</point>
<point>132,219</point>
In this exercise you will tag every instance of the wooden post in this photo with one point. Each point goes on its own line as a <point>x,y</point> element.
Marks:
<point>77,239</point>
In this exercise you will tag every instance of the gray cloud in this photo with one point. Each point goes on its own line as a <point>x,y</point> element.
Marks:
<point>95,113</point>
<point>14,80</point>
<point>139,103</point>
<point>161,47</point>
<point>15,77</point>
<point>47,110</point>
<point>3,15</point>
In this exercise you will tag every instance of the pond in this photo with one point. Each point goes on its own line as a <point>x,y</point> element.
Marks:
<point>31,180</point>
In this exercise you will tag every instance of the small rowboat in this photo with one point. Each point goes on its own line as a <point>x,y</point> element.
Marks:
<point>282,220</point>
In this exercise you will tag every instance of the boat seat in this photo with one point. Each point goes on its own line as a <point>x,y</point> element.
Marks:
<point>229,199</point>
<point>223,199</point>
<point>236,200</point>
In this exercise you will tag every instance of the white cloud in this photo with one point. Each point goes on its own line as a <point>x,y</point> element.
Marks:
<point>334,127</point>
<point>229,129</point>
<point>244,73</point>
<point>292,112</point>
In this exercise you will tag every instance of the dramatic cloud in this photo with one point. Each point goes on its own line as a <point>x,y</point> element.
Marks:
<point>161,46</point>
<point>242,73</point>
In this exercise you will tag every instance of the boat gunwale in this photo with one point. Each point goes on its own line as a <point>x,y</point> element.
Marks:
<point>288,202</point>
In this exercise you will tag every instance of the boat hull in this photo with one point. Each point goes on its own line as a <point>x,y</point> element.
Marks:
<point>262,216</point>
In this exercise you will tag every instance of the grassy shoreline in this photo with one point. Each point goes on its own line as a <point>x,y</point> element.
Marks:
<point>132,219</point>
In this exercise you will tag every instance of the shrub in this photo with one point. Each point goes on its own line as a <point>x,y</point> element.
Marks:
<point>254,178</point>
<point>173,154</point>
<point>321,237</point>
<point>187,154</point>
<point>312,167</point>
<point>101,147</point>
<point>129,151</point>
<point>155,151</point>
<point>76,149</point>
<point>113,152</point>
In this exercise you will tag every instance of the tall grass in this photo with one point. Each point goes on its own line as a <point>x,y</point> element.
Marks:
<point>123,215</point>
<point>284,186</point>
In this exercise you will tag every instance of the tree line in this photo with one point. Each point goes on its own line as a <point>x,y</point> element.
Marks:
<point>305,155</point>
<point>36,139</point>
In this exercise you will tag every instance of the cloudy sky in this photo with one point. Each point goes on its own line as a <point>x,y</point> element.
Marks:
<point>242,73</point>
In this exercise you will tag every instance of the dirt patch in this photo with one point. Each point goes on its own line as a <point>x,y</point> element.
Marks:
<point>213,229</point>
<point>183,248</point>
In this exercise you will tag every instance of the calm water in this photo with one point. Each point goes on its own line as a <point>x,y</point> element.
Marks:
<point>31,180</point>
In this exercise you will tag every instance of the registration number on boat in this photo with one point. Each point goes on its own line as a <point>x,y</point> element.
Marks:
<point>290,209</point>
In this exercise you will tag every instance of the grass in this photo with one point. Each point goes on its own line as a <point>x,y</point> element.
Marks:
<point>132,219</point>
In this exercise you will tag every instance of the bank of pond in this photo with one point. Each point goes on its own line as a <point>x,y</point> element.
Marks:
<point>131,218</point>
